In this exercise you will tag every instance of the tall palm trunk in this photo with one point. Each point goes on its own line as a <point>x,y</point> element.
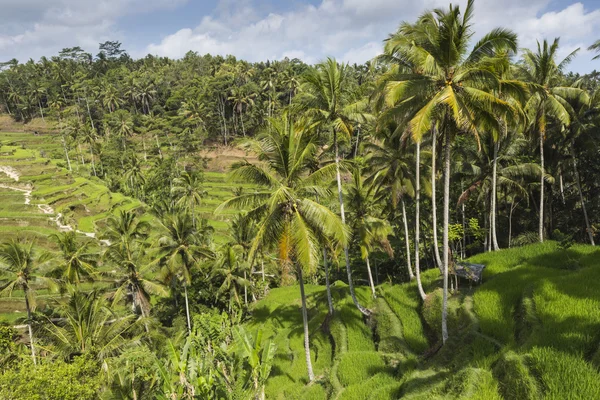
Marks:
<point>187,307</point>
<point>418,220</point>
<point>541,224</point>
<point>327,283</point>
<point>407,240</point>
<point>93,163</point>
<point>370,277</point>
<point>446,248</point>
<point>578,182</point>
<point>41,110</point>
<point>311,375</point>
<point>66,152</point>
<point>28,307</point>
<point>343,216</point>
<point>436,247</point>
<point>494,196</point>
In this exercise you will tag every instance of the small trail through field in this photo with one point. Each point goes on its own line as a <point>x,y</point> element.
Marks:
<point>43,208</point>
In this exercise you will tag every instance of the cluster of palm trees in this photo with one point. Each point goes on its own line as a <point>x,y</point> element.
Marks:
<point>348,157</point>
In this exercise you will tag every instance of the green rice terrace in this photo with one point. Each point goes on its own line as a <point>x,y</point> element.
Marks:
<point>529,331</point>
<point>419,225</point>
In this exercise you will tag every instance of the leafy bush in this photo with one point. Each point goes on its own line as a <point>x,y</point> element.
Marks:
<point>79,380</point>
<point>526,238</point>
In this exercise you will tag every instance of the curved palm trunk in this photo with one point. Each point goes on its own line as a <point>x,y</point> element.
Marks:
<point>578,182</point>
<point>541,225</point>
<point>494,196</point>
<point>187,307</point>
<point>371,278</point>
<point>28,307</point>
<point>436,247</point>
<point>327,283</point>
<point>311,375</point>
<point>445,236</point>
<point>418,220</point>
<point>343,216</point>
<point>407,240</point>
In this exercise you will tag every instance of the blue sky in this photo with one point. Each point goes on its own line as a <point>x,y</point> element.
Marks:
<point>351,30</point>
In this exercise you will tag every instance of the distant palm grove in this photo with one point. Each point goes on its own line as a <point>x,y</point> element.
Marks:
<point>349,183</point>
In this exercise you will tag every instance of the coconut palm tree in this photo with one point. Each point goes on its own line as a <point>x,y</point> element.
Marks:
<point>181,247</point>
<point>438,80</point>
<point>125,230</point>
<point>290,218</point>
<point>369,231</point>
<point>549,100</point>
<point>391,172</point>
<point>131,279</point>
<point>76,262</point>
<point>329,100</point>
<point>188,187</point>
<point>231,268</point>
<point>498,163</point>
<point>20,270</point>
<point>88,326</point>
<point>596,48</point>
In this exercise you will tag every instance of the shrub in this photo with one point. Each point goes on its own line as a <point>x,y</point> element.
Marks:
<point>79,380</point>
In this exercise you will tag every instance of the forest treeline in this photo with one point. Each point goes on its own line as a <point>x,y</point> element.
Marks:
<point>439,148</point>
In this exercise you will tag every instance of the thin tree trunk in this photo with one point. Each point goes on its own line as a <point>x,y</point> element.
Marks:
<point>245,291</point>
<point>494,196</point>
<point>28,307</point>
<point>93,163</point>
<point>357,141</point>
<point>187,308</point>
<point>418,220</point>
<point>407,240</point>
<point>541,223</point>
<point>343,216</point>
<point>311,375</point>
<point>327,283</point>
<point>89,113</point>
<point>512,208</point>
<point>445,236</point>
<point>371,278</point>
<point>41,111</point>
<point>80,153</point>
<point>464,225</point>
<point>66,152</point>
<point>578,182</point>
<point>561,184</point>
<point>158,146</point>
<point>243,129</point>
<point>144,147</point>
<point>436,246</point>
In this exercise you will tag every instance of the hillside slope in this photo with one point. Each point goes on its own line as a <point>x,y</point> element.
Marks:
<point>531,330</point>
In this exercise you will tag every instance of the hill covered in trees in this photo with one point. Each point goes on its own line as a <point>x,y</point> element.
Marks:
<point>212,228</point>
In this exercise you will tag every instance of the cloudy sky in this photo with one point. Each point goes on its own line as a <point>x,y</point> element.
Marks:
<point>351,30</point>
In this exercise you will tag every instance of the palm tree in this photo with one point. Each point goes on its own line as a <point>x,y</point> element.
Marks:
<point>125,230</point>
<point>496,163</point>
<point>88,326</point>
<point>77,263</point>
<point>596,48</point>
<point>188,187</point>
<point>436,80</point>
<point>549,100</point>
<point>391,172</point>
<point>329,100</point>
<point>290,219</point>
<point>131,280</point>
<point>181,248</point>
<point>369,231</point>
<point>21,271</point>
<point>231,268</point>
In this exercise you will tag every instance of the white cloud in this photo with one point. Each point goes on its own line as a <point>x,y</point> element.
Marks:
<point>32,28</point>
<point>353,30</point>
